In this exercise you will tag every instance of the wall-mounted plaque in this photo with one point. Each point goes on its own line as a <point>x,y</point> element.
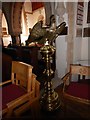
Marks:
<point>88,13</point>
<point>79,32</point>
<point>86,32</point>
<point>80,10</point>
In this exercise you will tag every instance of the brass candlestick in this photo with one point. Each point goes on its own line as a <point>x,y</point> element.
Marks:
<point>49,99</point>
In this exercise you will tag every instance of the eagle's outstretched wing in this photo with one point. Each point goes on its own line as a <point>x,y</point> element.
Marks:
<point>37,33</point>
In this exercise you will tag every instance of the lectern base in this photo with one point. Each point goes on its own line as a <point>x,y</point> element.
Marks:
<point>50,102</point>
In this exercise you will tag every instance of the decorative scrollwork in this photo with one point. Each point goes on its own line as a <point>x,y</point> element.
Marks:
<point>83,71</point>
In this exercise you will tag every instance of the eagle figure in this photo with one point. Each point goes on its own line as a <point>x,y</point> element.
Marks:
<point>39,34</point>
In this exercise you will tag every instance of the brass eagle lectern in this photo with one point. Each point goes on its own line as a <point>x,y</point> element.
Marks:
<point>49,100</point>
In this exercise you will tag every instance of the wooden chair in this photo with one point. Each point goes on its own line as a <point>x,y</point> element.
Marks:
<point>76,94</point>
<point>19,92</point>
<point>6,67</point>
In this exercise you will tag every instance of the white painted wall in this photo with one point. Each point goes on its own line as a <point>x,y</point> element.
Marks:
<point>61,43</point>
<point>85,40</point>
<point>31,20</point>
<point>77,40</point>
<point>6,39</point>
<point>81,44</point>
<point>61,54</point>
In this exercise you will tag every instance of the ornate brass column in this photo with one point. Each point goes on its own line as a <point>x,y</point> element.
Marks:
<point>46,35</point>
<point>49,99</point>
